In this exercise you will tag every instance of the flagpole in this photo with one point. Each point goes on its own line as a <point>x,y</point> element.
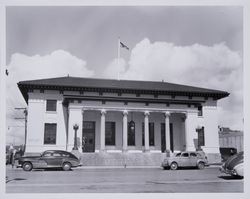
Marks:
<point>118,58</point>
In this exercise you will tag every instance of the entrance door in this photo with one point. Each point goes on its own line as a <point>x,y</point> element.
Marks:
<point>88,136</point>
<point>163,137</point>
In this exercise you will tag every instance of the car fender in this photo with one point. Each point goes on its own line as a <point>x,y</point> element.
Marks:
<point>239,169</point>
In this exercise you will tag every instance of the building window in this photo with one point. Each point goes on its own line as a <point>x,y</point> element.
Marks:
<point>200,113</point>
<point>51,105</point>
<point>131,133</point>
<point>151,134</point>
<point>110,133</point>
<point>201,137</point>
<point>50,133</point>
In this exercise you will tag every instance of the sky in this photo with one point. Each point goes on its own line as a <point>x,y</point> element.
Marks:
<point>194,45</point>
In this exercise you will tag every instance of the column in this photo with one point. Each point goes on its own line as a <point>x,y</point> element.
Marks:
<point>102,136</point>
<point>125,131</point>
<point>167,131</point>
<point>146,130</point>
<point>190,130</point>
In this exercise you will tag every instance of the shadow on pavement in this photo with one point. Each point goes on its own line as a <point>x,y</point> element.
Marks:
<point>230,177</point>
<point>14,179</point>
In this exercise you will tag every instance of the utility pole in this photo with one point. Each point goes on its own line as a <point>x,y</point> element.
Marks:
<point>25,111</point>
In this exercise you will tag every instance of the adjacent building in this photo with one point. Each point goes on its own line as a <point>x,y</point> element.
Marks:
<point>231,139</point>
<point>118,122</point>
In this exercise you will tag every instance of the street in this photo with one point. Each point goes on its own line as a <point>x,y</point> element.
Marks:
<point>121,180</point>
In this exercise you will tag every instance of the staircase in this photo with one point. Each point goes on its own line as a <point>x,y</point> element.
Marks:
<point>121,159</point>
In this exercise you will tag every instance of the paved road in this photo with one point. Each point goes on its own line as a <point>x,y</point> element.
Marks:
<point>120,180</point>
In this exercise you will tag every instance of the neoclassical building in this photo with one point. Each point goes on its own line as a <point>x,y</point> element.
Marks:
<point>116,122</point>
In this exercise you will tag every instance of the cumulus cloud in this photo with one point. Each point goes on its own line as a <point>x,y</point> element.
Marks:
<point>216,67</point>
<point>23,67</point>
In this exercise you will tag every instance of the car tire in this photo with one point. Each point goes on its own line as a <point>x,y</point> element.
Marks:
<point>165,168</point>
<point>174,166</point>
<point>66,166</point>
<point>27,166</point>
<point>201,165</point>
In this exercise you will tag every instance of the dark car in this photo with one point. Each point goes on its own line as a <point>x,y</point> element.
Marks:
<point>49,159</point>
<point>234,165</point>
<point>185,159</point>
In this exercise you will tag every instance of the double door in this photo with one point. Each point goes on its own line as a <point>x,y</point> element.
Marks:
<point>88,137</point>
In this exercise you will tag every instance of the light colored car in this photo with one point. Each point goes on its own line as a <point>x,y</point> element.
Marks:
<point>185,159</point>
<point>234,165</point>
<point>49,159</point>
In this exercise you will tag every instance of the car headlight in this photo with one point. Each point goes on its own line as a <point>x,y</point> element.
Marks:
<point>234,172</point>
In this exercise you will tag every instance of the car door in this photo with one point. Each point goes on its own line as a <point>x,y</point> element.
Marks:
<point>193,159</point>
<point>46,157</point>
<point>184,159</point>
<point>52,158</point>
<point>56,160</point>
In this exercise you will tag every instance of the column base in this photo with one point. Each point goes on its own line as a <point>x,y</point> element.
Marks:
<point>146,150</point>
<point>102,151</point>
<point>124,150</point>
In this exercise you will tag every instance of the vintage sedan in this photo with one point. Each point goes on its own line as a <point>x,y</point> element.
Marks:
<point>185,159</point>
<point>234,165</point>
<point>49,159</point>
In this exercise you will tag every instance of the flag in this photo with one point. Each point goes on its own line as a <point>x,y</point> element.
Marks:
<point>122,45</point>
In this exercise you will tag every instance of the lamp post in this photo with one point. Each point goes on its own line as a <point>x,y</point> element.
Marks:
<point>75,127</point>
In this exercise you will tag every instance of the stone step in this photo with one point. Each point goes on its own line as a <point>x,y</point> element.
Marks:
<point>121,159</point>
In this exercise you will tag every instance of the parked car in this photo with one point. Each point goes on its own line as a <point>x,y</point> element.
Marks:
<point>234,165</point>
<point>49,159</point>
<point>185,159</point>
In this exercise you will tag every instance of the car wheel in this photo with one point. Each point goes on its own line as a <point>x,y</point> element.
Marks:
<point>27,166</point>
<point>66,166</point>
<point>174,166</point>
<point>201,165</point>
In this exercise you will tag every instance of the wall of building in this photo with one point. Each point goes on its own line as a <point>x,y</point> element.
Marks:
<point>37,117</point>
<point>233,139</point>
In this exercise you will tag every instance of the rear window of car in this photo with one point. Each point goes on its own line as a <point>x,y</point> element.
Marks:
<point>65,155</point>
<point>193,155</point>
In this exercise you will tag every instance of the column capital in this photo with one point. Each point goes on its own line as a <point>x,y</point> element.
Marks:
<point>146,113</point>
<point>167,114</point>
<point>103,111</point>
<point>125,112</point>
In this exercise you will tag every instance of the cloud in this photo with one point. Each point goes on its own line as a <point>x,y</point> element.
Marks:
<point>216,67</point>
<point>23,67</point>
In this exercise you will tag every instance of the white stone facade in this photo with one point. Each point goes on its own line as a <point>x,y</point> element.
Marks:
<point>185,121</point>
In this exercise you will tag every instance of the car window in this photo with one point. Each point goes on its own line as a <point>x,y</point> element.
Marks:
<point>56,154</point>
<point>193,155</point>
<point>65,155</point>
<point>47,154</point>
<point>184,155</point>
<point>178,155</point>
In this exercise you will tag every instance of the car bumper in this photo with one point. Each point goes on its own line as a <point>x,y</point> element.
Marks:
<point>164,164</point>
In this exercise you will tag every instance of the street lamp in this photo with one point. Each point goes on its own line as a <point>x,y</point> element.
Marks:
<point>75,127</point>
